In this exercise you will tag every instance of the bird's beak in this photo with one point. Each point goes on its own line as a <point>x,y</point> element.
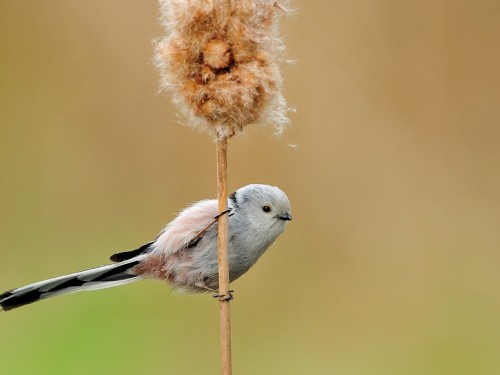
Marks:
<point>286,216</point>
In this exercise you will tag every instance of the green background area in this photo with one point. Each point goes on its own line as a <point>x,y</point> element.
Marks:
<point>391,264</point>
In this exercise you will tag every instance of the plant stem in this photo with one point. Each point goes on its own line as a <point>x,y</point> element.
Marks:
<point>225,317</point>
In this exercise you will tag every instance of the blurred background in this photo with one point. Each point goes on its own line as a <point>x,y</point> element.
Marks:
<point>391,264</point>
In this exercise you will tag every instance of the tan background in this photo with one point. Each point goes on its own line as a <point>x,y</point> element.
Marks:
<point>391,265</point>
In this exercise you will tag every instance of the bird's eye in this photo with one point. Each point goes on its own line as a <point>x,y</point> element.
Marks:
<point>266,209</point>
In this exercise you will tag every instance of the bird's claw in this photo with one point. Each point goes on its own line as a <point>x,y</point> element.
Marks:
<point>224,297</point>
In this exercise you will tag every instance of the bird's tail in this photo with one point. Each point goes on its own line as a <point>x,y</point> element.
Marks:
<point>95,278</point>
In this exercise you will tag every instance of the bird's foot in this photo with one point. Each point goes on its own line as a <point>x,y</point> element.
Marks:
<point>224,297</point>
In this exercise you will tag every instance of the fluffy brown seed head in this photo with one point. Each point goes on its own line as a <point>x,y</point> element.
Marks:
<point>220,61</point>
<point>217,54</point>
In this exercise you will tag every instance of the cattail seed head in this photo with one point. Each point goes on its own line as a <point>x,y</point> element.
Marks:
<point>220,60</point>
<point>217,54</point>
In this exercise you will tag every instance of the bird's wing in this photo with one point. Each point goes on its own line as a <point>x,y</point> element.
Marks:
<point>126,255</point>
<point>187,228</point>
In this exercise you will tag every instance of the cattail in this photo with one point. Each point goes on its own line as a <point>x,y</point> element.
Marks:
<point>219,60</point>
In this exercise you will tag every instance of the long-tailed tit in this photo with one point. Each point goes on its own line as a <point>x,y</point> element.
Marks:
<point>185,252</point>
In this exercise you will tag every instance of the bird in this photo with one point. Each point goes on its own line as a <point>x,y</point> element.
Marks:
<point>184,254</point>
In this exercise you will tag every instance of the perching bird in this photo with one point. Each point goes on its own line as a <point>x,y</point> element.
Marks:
<point>185,252</point>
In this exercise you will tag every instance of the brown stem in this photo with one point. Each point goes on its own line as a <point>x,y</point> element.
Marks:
<point>224,294</point>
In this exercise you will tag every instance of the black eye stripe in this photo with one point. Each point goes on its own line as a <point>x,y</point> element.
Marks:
<point>233,199</point>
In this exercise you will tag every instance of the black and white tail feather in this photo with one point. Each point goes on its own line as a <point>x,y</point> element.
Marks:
<point>92,279</point>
